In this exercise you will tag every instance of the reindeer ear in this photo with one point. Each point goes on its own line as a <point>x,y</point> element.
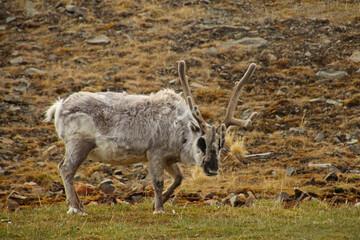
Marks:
<point>193,127</point>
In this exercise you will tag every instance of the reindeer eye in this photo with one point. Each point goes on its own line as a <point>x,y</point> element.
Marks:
<point>202,145</point>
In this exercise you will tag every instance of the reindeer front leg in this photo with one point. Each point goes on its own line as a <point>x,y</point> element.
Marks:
<point>156,171</point>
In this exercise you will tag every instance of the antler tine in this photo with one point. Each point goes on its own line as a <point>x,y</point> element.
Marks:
<point>197,115</point>
<point>184,80</point>
<point>185,85</point>
<point>229,116</point>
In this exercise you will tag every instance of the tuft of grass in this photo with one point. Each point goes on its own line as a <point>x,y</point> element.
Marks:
<point>264,220</point>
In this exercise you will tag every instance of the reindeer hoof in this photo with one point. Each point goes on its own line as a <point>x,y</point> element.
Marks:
<point>73,211</point>
<point>160,211</point>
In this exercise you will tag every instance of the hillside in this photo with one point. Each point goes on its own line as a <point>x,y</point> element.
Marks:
<point>305,89</point>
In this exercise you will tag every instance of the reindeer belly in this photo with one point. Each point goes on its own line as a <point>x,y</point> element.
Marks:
<point>110,152</point>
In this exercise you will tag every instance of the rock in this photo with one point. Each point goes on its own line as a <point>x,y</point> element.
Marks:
<point>79,11</point>
<point>320,165</point>
<point>355,57</point>
<point>290,171</point>
<point>238,200</point>
<point>107,186</point>
<point>79,176</point>
<point>211,51</point>
<point>281,196</point>
<point>331,74</point>
<point>84,190</point>
<point>10,19</point>
<point>256,42</point>
<point>99,40</point>
<point>357,204</point>
<point>30,12</point>
<point>33,71</point>
<point>96,176</point>
<point>234,28</point>
<point>331,177</point>
<point>354,148</point>
<point>333,102</point>
<point>297,130</point>
<point>17,60</point>
<point>319,137</point>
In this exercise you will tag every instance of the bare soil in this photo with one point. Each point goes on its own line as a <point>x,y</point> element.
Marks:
<point>305,89</point>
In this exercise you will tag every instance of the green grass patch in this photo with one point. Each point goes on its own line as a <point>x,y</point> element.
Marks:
<point>264,220</point>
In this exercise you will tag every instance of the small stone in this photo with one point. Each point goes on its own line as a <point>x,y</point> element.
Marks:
<point>30,12</point>
<point>331,74</point>
<point>17,60</point>
<point>297,130</point>
<point>107,186</point>
<point>331,177</point>
<point>355,57</point>
<point>333,102</point>
<point>99,40</point>
<point>354,148</point>
<point>238,200</point>
<point>96,176</point>
<point>256,42</point>
<point>79,176</point>
<point>319,137</point>
<point>10,19</point>
<point>281,196</point>
<point>290,171</point>
<point>33,71</point>
<point>307,54</point>
<point>211,51</point>
<point>15,53</point>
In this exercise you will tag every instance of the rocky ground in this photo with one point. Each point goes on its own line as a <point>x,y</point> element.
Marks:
<point>304,144</point>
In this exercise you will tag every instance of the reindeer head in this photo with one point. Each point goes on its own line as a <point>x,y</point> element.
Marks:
<point>212,139</point>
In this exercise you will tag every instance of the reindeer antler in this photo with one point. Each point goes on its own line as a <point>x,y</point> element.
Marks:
<point>194,108</point>
<point>229,116</point>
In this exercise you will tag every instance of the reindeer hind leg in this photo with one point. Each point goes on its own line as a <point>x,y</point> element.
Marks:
<point>76,151</point>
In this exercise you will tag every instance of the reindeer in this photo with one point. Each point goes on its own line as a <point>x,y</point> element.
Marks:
<point>163,129</point>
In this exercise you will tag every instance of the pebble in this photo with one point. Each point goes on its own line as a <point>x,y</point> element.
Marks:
<point>238,200</point>
<point>256,42</point>
<point>79,176</point>
<point>211,51</point>
<point>331,74</point>
<point>333,102</point>
<point>17,60</point>
<point>354,148</point>
<point>319,137</point>
<point>297,130</point>
<point>33,71</point>
<point>290,171</point>
<point>107,186</point>
<point>355,57</point>
<point>99,40</point>
<point>30,12</point>
<point>10,19</point>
